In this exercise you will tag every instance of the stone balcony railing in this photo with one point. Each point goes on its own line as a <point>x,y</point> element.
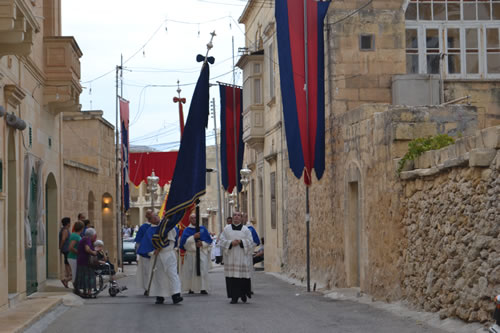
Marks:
<point>62,67</point>
<point>253,127</point>
<point>17,27</point>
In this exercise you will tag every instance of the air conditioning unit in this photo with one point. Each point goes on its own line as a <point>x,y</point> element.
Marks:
<point>415,89</point>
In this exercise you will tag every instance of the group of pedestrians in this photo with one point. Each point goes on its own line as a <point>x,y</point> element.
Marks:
<point>157,268</point>
<point>82,253</point>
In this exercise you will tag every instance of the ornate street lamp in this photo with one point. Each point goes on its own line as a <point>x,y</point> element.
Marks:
<point>152,187</point>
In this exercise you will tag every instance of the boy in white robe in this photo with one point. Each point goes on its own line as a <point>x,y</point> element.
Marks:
<point>236,240</point>
<point>165,281</point>
<point>190,241</point>
<point>144,260</point>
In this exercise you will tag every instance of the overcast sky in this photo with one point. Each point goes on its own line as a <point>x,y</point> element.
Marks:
<point>106,29</point>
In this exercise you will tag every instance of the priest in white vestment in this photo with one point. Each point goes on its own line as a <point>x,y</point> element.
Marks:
<point>236,240</point>
<point>190,241</point>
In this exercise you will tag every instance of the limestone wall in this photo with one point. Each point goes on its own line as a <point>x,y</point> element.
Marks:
<point>452,224</point>
<point>357,238</point>
<point>485,95</point>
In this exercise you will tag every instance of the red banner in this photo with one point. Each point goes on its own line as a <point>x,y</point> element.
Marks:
<point>142,164</point>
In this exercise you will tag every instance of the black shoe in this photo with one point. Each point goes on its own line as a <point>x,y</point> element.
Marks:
<point>146,293</point>
<point>177,298</point>
<point>251,293</point>
<point>191,292</point>
<point>160,300</point>
<point>203,292</point>
<point>244,299</point>
<point>234,301</point>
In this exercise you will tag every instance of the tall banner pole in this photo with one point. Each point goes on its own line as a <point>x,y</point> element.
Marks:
<point>198,268</point>
<point>217,167</point>
<point>308,216</point>
<point>236,141</point>
<point>117,176</point>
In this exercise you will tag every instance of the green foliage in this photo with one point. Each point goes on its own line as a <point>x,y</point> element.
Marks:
<point>420,145</point>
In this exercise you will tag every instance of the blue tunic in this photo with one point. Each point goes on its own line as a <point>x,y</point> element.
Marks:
<point>188,232</point>
<point>255,236</point>
<point>141,232</point>
<point>146,244</point>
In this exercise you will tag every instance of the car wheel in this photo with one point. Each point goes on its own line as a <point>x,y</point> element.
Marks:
<point>130,262</point>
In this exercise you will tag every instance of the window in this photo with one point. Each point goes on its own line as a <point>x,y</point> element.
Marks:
<point>273,200</point>
<point>366,42</point>
<point>411,51</point>
<point>257,91</point>
<point>472,51</point>
<point>461,38</point>
<point>432,50</point>
<point>30,136</point>
<point>493,51</point>
<point>453,46</point>
<point>252,189</point>
<point>271,71</point>
<point>50,142</point>
<point>453,10</point>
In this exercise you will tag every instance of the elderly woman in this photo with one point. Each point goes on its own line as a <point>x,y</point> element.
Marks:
<point>85,275</point>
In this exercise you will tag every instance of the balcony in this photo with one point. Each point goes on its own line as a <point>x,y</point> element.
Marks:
<point>253,108</point>
<point>17,27</point>
<point>62,67</point>
<point>253,128</point>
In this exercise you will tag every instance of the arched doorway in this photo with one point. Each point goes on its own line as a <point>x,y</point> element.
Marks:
<point>108,227</point>
<point>51,222</point>
<point>12,210</point>
<point>353,227</point>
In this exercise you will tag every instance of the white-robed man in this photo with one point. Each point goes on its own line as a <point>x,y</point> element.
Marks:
<point>256,241</point>
<point>165,281</point>
<point>143,263</point>
<point>236,240</point>
<point>190,241</point>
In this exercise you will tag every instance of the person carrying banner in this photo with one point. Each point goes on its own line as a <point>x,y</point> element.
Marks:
<point>236,240</point>
<point>143,263</point>
<point>191,240</point>
<point>165,281</point>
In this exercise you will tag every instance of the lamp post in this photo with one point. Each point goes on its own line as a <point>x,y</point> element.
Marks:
<point>245,179</point>
<point>153,187</point>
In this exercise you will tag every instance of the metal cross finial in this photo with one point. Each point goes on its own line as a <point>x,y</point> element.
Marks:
<point>209,46</point>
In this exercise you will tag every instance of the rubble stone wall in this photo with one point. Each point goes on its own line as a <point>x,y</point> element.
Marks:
<point>452,227</point>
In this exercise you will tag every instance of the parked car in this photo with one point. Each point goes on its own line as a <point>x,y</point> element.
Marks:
<point>129,254</point>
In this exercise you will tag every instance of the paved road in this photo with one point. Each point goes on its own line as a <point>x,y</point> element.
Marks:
<point>276,307</point>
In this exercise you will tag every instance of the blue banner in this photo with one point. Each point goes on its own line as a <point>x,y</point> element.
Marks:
<point>188,183</point>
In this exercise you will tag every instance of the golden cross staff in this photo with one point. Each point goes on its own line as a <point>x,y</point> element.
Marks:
<point>180,101</point>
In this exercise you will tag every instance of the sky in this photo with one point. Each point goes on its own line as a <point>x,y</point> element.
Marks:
<point>159,41</point>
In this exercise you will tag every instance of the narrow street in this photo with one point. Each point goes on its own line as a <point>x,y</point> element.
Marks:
<point>275,307</point>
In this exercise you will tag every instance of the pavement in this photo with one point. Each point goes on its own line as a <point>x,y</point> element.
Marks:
<point>280,305</point>
<point>36,306</point>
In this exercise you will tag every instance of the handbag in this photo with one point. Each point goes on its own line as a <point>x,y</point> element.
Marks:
<point>93,261</point>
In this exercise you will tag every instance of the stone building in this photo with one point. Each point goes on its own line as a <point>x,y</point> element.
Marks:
<point>39,80</point>
<point>394,69</point>
<point>89,176</point>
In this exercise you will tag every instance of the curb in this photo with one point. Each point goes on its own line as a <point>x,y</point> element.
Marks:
<point>26,313</point>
